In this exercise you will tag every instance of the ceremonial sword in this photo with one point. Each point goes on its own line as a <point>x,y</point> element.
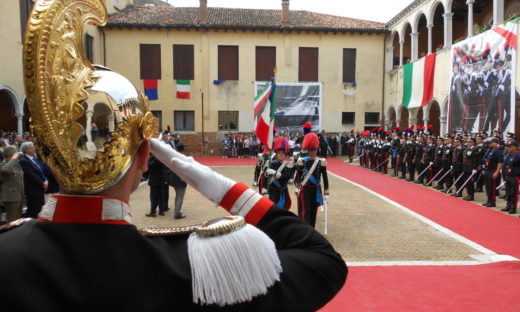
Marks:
<point>455,183</point>
<point>469,179</point>
<point>446,174</point>
<point>423,171</point>
<point>435,177</point>
<point>382,163</point>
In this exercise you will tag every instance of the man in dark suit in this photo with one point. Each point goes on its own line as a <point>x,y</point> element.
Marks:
<point>34,180</point>
<point>158,182</point>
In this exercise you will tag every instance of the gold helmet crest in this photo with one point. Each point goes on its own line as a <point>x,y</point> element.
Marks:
<point>88,121</point>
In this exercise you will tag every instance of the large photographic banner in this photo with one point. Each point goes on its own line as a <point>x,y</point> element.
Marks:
<point>482,90</point>
<point>296,104</point>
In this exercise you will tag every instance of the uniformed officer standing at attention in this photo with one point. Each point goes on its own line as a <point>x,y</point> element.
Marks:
<point>512,178</point>
<point>480,150</point>
<point>456,162</point>
<point>420,165</point>
<point>437,162</point>
<point>410,157</point>
<point>446,166</point>
<point>279,173</point>
<point>493,161</point>
<point>469,167</point>
<point>84,254</point>
<point>309,171</point>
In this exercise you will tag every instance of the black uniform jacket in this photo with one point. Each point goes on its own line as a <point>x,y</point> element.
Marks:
<point>100,267</point>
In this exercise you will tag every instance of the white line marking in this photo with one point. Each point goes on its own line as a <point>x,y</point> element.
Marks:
<point>411,263</point>
<point>423,219</point>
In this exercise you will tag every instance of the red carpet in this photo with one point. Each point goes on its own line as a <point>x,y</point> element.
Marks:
<point>490,287</point>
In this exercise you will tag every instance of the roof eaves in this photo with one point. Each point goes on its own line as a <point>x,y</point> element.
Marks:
<point>404,12</point>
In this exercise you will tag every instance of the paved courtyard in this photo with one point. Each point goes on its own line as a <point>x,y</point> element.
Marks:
<point>362,227</point>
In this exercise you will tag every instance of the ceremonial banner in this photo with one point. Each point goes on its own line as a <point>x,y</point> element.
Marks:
<point>150,89</point>
<point>296,104</point>
<point>482,90</point>
<point>183,89</point>
<point>418,82</point>
<point>263,115</point>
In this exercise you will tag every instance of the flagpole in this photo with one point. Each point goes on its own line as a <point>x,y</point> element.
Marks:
<point>271,117</point>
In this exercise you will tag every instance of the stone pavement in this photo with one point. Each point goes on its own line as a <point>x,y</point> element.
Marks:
<point>362,227</point>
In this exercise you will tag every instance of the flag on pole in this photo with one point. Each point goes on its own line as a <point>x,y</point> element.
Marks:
<point>183,89</point>
<point>264,114</point>
<point>150,89</point>
<point>418,82</point>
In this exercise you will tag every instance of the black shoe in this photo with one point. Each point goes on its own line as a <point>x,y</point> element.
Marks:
<point>512,212</point>
<point>491,205</point>
<point>402,178</point>
<point>179,216</point>
<point>151,214</point>
<point>456,195</point>
<point>505,209</point>
<point>486,204</point>
<point>469,198</point>
<point>409,180</point>
<point>161,213</point>
<point>438,187</point>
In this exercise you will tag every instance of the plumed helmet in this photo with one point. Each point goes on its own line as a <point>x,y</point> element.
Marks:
<point>88,121</point>
<point>310,141</point>
<point>281,144</point>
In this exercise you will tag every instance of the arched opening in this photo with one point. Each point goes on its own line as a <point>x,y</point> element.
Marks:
<point>407,46</point>
<point>392,118</point>
<point>482,15</point>
<point>403,123</point>
<point>395,55</point>
<point>26,116</point>
<point>438,27</point>
<point>459,8</point>
<point>420,117</point>
<point>435,117</point>
<point>422,30</point>
<point>7,111</point>
<point>511,9</point>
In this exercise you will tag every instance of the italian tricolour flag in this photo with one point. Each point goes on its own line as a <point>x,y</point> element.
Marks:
<point>264,115</point>
<point>183,89</point>
<point>418,82</point>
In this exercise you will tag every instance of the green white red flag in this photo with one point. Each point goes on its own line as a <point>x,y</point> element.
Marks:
<point>183,89</point>
<point>264,114</point>
<point>418,82</point>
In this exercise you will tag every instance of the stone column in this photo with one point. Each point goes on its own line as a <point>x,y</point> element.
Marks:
<point>19,117</point>
<point>412,120</point>
<point>498,12</point>
<point>470,17</point>
<point>448,29</point>
<point>415,46</point>
<point>390,57</point>
<point>430,28</point>
<point>401,45</point>
<point>444,125</point>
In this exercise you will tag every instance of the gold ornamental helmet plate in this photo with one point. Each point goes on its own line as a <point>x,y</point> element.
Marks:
<point>87,120</point>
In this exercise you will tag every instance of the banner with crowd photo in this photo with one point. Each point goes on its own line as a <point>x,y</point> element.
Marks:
<point>296,104</point>
<point>482,89</point>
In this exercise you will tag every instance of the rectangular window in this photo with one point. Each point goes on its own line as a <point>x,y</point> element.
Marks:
<point>228,62</point>
<point>227,120</point>
<point>158,115</point>
<point>371,118</point>
<point>184,120</point>
<point>150,61</point>
<point>183,61</point>
<point>348,118</point>
<point>308,64</point>
<point>349,65</point>
<point>265,63</point>
<point>25,10</point>
<point>89,47</point>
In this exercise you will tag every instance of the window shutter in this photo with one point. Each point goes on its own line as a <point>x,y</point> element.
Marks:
<point>183,62</point>
<point>265,63</point>
<point>228,62</point>
<point>150,61</point>
<point>308,64</point>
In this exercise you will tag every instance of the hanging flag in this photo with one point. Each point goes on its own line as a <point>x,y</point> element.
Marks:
<point>418,82</point>
<point>183,89</point>
<point>264,115</point>
<point>150,89</point>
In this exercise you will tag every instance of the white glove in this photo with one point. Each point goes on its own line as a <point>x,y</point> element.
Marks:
<point>431,163</point>
<point>291,181</point>
<point>209,183</point>
<point>325,199</point>
<point>254,183</point>
<point>474,171</point>
<point>270,172</point>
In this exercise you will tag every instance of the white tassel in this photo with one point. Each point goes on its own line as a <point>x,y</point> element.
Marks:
<point>233,267</point>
